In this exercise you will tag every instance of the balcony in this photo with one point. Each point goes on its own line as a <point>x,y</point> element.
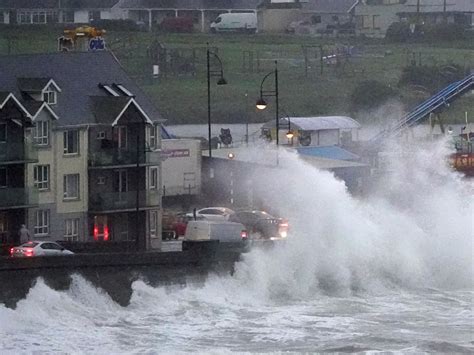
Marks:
<point>18,152</point>
<point>123,201</point>
<point>112,157</point>
<point>18,197</point>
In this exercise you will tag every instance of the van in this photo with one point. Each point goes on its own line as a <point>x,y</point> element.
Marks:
<point>215,230</point>
<point>235,22</point>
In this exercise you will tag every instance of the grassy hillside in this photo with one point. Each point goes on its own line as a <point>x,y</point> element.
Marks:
<point>182,98</point>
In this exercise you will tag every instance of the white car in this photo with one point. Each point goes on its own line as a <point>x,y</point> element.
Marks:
<point>212,213</point>
<point>39,248</point>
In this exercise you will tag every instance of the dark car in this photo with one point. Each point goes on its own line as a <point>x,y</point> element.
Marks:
<point>177,24</point>
<point>261,224</point>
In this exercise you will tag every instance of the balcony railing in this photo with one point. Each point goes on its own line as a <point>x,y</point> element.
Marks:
<point>18,152</point>
<point>116,201</point>
<point>117,157</point>
<point>18,197</point>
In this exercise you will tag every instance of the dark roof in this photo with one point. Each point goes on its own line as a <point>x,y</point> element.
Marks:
<point>191,4</point>
<point>329,6</point>
<point>32,84</point>
<point>78,74</point>
<point>63,4</point>
<point>3,96</point>
<point>106,108</point>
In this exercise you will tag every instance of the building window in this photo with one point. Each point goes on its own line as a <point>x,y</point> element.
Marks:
<point>3,177</point>
<point>101,180</point>
<point>153,178</point>
<point>24,17</point>
<point>71,230</point>
<point>42,222</point>
<point>120,137</point>
<point>71,187</point>
<point>71,142</point>
<point>41,177</point>
<point>38,17</point>
<point>101,135</point>
<point>50,97</point>
<point>3,132</point>
<point>315,19</point>
<point>153,223</point>
<point>376,22</point>
<point>42,133</point>
<point>120,181</point>
<point>153,134</point>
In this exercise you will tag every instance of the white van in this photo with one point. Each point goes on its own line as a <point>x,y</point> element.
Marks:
<point>237,22</point>
<point>215,230</point>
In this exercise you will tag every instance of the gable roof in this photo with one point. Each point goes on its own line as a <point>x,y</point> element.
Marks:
<point>36,84</point>
<point>316,123</point>
<point>52,4</point>
<point>109,109</point>
<point>329,6</point>
<point>438,5</point>
<point>78,74</point>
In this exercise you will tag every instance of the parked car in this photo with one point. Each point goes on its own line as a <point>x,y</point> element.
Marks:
<point>261,225</point>
<point>39,248</point>
<point>224,231</point>
<point>213,213</point>
<point>177,24</point>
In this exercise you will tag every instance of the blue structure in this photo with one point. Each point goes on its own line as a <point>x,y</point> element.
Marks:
<point>423,110</point>
<point>328,152</point>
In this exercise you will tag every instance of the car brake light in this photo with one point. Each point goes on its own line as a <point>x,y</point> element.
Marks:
<point>96,232</point>
<point>106,233</point>
<point>12,250</point>
<point>29,252</point>
<point>244,234</point>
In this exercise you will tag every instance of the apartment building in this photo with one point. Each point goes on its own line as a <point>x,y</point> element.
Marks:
<point>96,169</point>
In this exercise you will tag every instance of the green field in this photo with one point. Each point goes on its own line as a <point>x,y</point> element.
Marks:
<point>182,96</point>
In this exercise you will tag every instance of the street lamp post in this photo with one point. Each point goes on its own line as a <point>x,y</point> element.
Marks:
<point>262,104</point>
<point>221,81</point>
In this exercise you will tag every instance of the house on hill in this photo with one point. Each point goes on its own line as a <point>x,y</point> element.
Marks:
<point>37,12</point>
<point>203,12</point>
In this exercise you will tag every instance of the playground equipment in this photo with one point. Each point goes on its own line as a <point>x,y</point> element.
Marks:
<point>84,38</point>
<point>431,105</point>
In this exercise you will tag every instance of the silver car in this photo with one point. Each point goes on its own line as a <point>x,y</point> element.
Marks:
<point>38,248</point>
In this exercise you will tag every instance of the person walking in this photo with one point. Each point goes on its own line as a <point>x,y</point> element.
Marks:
<point>24,234</point>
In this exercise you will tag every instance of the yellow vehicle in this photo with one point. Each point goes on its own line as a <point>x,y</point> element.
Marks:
<point>83,38</point>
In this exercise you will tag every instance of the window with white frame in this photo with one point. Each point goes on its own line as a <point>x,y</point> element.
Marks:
<point>71,186</point>
<point>71,142</point>
<point>41,176</point>
<point>42,222</point>
<point>3,132</point>
<point>153,178</point>
<point>153,135</point>
<point>71,230</point>
<point>41,133</point>
<point>153,224</point>
<point>49,96</point>
<point>3,178</point>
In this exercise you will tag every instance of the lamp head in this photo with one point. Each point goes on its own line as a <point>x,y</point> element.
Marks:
<point>231,156</point>
<point>289,135</point>
<point>261,104</point>
<point>222,81</point>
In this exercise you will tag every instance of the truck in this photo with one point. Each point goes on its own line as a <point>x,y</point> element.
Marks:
<point>235,22</point>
